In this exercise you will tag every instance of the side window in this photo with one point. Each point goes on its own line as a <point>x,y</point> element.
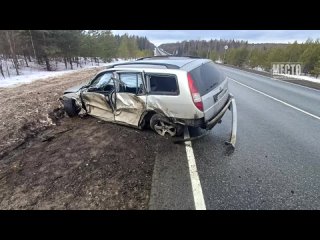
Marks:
<point>163,84</point>
<point>131,83</point>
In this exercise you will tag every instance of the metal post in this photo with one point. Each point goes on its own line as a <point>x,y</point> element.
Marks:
<point>225,50</point>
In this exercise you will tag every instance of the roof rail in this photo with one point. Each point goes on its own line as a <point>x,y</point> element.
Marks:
<point>169,66</point>
<point>154,57</point>
<point>187,56</point>
<point>164,56</point>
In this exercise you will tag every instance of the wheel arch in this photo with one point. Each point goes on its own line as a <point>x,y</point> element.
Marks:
<point>145,118</point>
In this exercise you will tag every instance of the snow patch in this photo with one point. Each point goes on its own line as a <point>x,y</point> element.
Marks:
<point>35,72</point>
<point>301,77</point>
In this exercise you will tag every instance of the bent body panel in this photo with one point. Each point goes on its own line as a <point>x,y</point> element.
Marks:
<point>129,108</point>
<point>97,106</point>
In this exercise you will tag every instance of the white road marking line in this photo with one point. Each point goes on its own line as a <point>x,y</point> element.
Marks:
<point>195,181</point>
<point>278,100</point>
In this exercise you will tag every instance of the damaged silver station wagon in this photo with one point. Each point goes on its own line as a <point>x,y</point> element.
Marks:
<point>166,93</point>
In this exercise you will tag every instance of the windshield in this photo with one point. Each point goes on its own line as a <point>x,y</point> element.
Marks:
<point>102,81</point>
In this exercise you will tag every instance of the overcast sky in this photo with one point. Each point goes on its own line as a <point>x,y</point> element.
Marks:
<point>158,37</point>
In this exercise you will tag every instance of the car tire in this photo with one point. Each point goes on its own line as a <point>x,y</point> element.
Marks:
<point>163,126</point>
<point>70,107</point>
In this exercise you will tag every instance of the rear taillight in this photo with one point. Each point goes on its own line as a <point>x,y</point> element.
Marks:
<point>195,93</point>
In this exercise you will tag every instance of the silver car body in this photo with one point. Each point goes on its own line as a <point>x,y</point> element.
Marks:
<point>130,108</point>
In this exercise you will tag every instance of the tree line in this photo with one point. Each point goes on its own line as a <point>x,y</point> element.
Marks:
<point>201,48</point>
<point>243,54</point>
<point>308,53</point>
<point>49,46</point>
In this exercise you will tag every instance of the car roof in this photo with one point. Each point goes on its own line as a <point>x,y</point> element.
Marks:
<point>170,62</point>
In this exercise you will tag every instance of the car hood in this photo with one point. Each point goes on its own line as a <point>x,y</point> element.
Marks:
<point>74,88</point>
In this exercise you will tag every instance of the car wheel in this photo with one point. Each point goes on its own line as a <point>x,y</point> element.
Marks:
<point>70,107</point>
<point>163,126</point>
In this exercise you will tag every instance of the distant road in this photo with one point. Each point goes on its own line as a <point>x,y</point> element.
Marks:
<point>160,52</point>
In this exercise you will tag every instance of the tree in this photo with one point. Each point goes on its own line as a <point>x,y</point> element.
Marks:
<point>255,58</point>
<point>237,56</point>
<point>316,70</point>
<point>10,35</point>
<point>107,45</point>
<point>213,55</point>
<point>123,50</point>
<point>310,55</point>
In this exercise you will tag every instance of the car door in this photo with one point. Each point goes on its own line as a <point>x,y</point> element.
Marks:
<point>130,97</point>
<point>99,97</point>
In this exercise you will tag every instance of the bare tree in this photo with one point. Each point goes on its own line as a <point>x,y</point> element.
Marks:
<point>34,50</point>
<point>1,70</point>
<point>8,72</point>
<point>45,54</point>
<point>12,50</point>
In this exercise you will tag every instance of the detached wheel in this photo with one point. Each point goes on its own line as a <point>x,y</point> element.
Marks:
<point>70,107</point>
<point>163,126</point>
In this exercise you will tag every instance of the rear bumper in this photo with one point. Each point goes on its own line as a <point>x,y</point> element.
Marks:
<point>200,122</point>
<point>231,105</point>
<point>212,122</point>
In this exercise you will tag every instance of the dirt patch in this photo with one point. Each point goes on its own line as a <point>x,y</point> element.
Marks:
<point>64,163</point>
<point>81,164</point>
<point>24,109</point>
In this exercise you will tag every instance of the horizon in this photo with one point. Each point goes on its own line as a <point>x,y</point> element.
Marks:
<point>158,37</point>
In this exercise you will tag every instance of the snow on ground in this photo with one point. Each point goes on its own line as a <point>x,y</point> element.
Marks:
<point>28,76</point>
<point>259,69</point>
<point>301,77</point>
<point>36,72</point>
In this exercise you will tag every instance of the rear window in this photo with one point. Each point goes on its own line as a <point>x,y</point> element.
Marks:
<point>207,77</point>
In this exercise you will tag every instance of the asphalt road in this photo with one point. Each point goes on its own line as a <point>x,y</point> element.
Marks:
<point>159,52</point>
<point>276,163</point>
